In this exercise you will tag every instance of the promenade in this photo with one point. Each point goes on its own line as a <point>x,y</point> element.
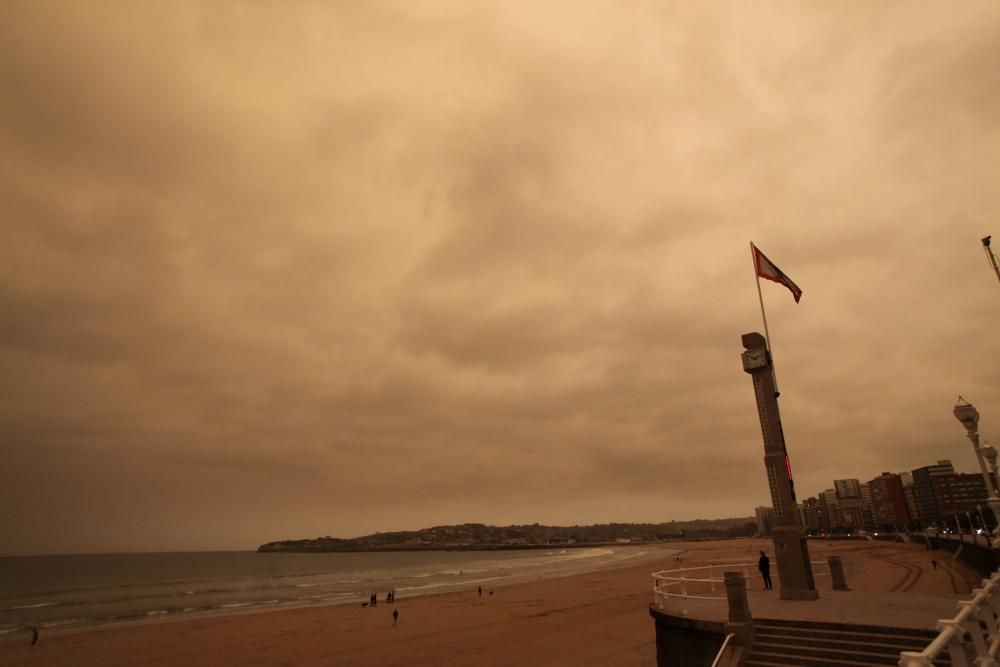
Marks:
<point>891,584</point>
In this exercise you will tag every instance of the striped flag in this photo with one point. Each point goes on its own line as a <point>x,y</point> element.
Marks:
<point>766,269</point>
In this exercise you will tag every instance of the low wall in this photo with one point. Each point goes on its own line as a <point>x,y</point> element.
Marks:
<point>983,559</point>
<point>685,642</point>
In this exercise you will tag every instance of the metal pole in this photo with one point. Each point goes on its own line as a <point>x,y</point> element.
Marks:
<point>990,255</point>
<point>763,315</point>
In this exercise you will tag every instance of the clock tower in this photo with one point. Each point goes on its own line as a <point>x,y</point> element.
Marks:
<point>790,549</point>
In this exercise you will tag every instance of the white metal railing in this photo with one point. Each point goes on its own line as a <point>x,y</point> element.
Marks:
<point>982,610</point>
<point>983,540</point>
<point>718,656</point>
<point>703,587</point>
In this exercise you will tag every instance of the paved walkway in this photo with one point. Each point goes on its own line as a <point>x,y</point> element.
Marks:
<point>896,610</point>
<point>892,585</point>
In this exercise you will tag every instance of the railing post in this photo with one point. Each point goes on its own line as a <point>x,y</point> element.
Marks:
<point>987,617</point>
<point>740,620</point>
<point>978,644</point>
<point>956,647</point>
<point>975,631</point>
<point>837,573</point>
<point>736,595</point>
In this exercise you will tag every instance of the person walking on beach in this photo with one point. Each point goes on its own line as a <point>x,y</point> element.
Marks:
<point>934,563</point>
<point>34,635</point>
<point>395,617</point>
<point>764,565</point>
<point>480,591</point>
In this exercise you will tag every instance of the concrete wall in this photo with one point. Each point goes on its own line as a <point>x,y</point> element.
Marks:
<point>983,559</point>
<point>685,642</point>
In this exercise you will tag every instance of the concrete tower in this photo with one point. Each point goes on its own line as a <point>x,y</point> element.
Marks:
<point>790,549</point>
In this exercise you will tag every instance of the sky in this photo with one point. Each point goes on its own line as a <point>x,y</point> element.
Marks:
<point>282,270</point>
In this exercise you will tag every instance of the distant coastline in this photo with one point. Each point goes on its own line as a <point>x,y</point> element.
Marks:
<point>290,547</point>
<point>481,537</point>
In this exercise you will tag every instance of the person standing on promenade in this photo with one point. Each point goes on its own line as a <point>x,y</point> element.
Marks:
<point>764,565</point>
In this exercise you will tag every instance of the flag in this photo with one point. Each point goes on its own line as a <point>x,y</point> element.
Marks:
<point>767,269</point>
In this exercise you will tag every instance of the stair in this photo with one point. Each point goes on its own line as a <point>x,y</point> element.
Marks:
<point>806,644</point>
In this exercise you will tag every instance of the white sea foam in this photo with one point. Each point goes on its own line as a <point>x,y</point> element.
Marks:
<point>38,605</point>
<point>65,621</point>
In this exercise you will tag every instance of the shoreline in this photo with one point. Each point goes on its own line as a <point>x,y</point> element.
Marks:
<point>600,617</point>
<point>656,553</point>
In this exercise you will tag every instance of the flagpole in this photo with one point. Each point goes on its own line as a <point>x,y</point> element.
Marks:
<point>763,314</point>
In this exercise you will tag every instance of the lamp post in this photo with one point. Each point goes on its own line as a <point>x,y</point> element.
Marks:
<point>969,417</point>
<point>990,452</point>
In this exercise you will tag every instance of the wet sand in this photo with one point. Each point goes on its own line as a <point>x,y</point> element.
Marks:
<point>598,618</point>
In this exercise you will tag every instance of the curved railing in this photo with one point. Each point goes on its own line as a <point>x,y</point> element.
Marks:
<point>977,620</point>
<point>679,584</point>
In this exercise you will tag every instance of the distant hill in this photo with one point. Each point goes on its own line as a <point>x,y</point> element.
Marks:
<point>480,536</point>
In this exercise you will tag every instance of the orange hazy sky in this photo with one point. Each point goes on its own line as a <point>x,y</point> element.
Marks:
<point>280,270</point>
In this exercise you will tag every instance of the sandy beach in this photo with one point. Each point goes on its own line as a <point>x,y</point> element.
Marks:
<point>598,618</point>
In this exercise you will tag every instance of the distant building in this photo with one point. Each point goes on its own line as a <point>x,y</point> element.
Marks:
<point>847,488</point>
<point>928,506</point>
<point>850,504</point>
<point>765,520</point>
<point>829,518</point>
<point>811,513</point>
<point>866,505</point>
<point>910,495</point>
<point>888,502</point>
<point>959,493</point>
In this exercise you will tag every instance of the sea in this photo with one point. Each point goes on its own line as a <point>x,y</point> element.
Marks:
<point>76,591</point>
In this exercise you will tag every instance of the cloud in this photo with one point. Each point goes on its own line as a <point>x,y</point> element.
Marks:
<point>328,270</point>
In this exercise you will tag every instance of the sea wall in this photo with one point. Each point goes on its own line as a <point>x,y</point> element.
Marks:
<point>980,557</point>
<point>685,642</point>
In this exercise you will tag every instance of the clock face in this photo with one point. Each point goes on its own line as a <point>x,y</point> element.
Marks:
<point>754,359</point>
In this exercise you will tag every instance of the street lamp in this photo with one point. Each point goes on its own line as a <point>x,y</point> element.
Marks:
<point>990,452</point>
<point>969,416</point>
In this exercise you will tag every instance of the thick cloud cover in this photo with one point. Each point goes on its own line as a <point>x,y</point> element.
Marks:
<point>275,271</point>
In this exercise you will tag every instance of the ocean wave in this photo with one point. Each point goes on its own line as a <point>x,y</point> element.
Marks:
<point>37,605</point>
<point>64,621</point>
<point>587,553</point>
